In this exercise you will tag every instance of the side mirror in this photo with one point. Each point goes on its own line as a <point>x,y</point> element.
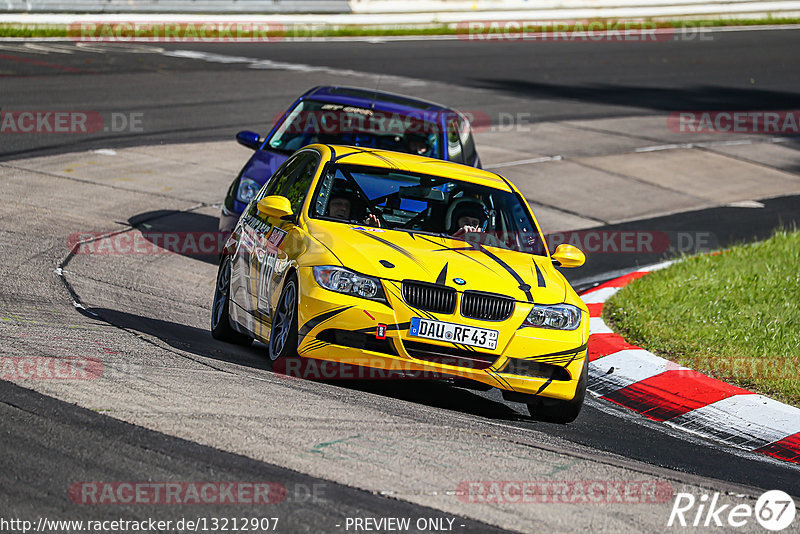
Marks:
<point>249,139</point>
<point>568,256</point>
<point>275,206</point>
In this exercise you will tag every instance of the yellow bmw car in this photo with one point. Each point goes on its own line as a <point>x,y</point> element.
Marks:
<point>392,261</point>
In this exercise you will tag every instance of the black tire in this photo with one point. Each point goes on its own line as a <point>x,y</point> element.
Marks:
<point>283,335</point>
<point>560,411</point>
<point>220,318</point>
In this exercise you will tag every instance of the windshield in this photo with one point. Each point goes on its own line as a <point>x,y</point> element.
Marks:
<point>400,200</point>
<point>312,121</point>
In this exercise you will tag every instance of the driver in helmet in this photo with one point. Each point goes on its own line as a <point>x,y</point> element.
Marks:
<point>341,206</point>
<point>466,215</point>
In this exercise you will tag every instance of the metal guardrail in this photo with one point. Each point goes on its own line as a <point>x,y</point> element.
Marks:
<point>387,12</point>
<point>176,6</point>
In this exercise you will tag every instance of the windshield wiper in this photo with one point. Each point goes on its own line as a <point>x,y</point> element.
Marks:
<point>423,232</point>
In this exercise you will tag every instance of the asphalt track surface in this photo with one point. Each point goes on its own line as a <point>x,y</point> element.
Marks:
<point>184,100</point>
<point>201,100</point>
<point>50,441</point>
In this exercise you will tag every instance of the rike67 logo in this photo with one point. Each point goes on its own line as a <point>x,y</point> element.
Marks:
<point>774,511</point>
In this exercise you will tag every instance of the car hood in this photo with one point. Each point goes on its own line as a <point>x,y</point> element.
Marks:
<point>397,255</point>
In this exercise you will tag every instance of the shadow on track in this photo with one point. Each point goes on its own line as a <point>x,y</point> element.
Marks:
<point>695,98</point>
<point>187,338</point>
<point>155,225</point>
<point>198,341</point>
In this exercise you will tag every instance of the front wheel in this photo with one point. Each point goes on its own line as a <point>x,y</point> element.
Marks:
<point>283,336</point>
<point>561,411</point>
<point>220,319</point>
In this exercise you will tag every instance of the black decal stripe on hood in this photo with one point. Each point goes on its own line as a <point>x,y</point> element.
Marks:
<point>442,278</point>
<point>398,248</point>
<point>450,249</point>
<point>511,271</point>
<point>316,321</point>
<point>539,275</point>
<point>458,250</point>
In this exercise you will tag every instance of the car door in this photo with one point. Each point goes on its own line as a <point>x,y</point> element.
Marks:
<point>276,242</point>
<point>249,258</point>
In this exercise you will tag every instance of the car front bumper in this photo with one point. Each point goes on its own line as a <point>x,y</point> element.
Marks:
<point>349,330</point>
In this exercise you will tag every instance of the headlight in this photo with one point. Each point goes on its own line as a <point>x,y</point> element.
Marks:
<point>348,282</point>
<point>557,316</point>
<point>247,189</point>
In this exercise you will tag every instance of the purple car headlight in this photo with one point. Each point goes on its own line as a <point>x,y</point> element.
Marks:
<point>247,190</point>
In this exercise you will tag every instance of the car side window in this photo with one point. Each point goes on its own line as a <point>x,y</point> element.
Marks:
<point>454,151</point>
<point>283,176</point>
<point>281,180</point>
<point>467,141</point>
<point>296,188</point>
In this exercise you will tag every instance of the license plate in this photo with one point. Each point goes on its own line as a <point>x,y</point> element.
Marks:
<point>454,333</point>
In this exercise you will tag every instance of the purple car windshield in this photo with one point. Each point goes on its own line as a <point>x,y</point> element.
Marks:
<point>312,121</point>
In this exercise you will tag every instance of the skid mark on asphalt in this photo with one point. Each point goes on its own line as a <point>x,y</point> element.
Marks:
<point>362,449</point>
<point>321,448</point>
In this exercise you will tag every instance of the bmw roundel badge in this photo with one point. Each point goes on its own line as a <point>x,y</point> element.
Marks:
<point>459,281</point>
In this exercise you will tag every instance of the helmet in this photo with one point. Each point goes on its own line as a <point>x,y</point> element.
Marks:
<point>464,206</point>
<point>341,189</point>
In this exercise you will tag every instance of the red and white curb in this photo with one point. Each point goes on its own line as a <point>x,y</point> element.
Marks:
<point>681,397</point>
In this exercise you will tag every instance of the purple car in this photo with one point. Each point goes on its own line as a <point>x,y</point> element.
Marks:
<point>349,116</point>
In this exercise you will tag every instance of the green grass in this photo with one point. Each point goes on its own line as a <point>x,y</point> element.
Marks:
<point>21,30</point>
<point>734,315</point>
